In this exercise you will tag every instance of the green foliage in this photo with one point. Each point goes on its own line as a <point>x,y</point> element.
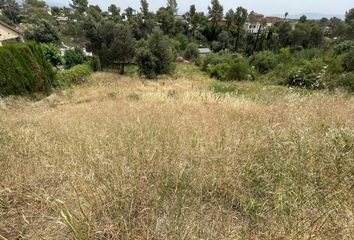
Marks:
<point>310,53</point>
<point>73,57</point>
<point>94,63</point>
<point>309,75</point>
<point>52,54</point>
<point>343,47</point>
<point>191,52</point>
<point>146,62</point>
<point>158,57</point>
<point>264,61</point>
<point>239,70</point>
<point>219,87</point>
<point>348,61</point>
<point>75,75</point>
<point>43,31</point>
<point>24,70</point>
<point>344,81</point>
<point>216,58</point>
<point>112,42</point>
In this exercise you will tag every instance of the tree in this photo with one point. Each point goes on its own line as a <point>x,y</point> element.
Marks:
<point>286,15</point>
<point>112,42</point>
<point>283,30</point>
<point>240,19</point>
<point>79,5</point>
<point>115,13</point>
<point>303,19</point>
<point>43,32</point>
<point>224,40</point>
<point>11,10</point>
<point>73,57</point>
<point>144,7</point>
<point>191,52</point>
<point>215,12</point>
<point>95,12</point>
<point>306,34</point>
<point>215,15</point>
<point>156,56</point>
<point>172,5</point>
<point>349,20</point>
<point>166,20</point>
<point>35,10</point>
<point>338,28</point>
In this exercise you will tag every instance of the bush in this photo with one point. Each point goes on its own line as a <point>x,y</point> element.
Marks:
<point>74,75</point>
<point>344,81</point>
<point>348,61</point>
<point>264,61</point>
<point>343,47</point>
<point>310,75</point>
<point>192,52</point>
<point>237,70</point>
<point>310,54</point>
<point>52,54</point>
<point>73,57</point>
<point>146,62</point>
<point>216,58</point>
<point>158,57</point>
<point>24,70</point>
<point>94,63</point>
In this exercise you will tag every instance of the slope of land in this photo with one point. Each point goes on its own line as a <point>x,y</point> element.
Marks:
<point>178,158</point>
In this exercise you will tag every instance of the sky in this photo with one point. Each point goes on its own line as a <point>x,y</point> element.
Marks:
<point>268,7</point>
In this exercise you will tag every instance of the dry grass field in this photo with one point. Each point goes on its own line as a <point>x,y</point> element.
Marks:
<point>124,158</point>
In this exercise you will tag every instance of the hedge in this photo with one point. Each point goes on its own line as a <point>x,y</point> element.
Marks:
<point>24,70</point>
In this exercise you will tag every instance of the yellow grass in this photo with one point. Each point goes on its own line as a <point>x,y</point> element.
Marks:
<point>123,158</point>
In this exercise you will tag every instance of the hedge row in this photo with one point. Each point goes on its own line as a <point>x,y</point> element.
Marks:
<point>24,70</point>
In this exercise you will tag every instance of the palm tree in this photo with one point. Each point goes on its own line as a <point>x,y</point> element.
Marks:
<point>286,15</point>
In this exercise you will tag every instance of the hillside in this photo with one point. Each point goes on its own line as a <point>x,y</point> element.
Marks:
<point>181,157</point>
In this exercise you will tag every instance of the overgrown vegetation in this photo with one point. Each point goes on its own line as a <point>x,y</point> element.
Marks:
<point>122,158</point>
<point>75,75</point>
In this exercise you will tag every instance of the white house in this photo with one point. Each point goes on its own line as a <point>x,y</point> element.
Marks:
<point>9,33</point>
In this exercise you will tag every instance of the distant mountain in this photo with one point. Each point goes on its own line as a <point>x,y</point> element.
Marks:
<point>313,16</point>
<point>53,3</point>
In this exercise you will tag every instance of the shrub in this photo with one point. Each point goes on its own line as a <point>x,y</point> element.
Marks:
<point>73,57</point>
<point>158,57</point>
<point>24,70</point>
<point>146,62</point>
<point>310,53</point>
<point>343,47</point>
<point>52,54</point>
<point>216,58</point>
<point>264,61</point>
<point>74,75</point>
<point>348,61</point>
<point>344,81</point>
<point>94,63</point>
<point>192,52</point>
<point>309,75</point>
<point>237,70</point>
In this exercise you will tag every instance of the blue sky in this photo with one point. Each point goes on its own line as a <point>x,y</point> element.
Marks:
<point>268,7</point>
<point>263,6</point>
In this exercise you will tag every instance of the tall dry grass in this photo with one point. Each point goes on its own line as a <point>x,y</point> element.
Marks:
<point>122,158</point>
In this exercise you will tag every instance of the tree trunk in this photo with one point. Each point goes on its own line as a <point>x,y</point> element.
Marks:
<point>257,38</point>
<point>121,69</point>
<point>237,39</point>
